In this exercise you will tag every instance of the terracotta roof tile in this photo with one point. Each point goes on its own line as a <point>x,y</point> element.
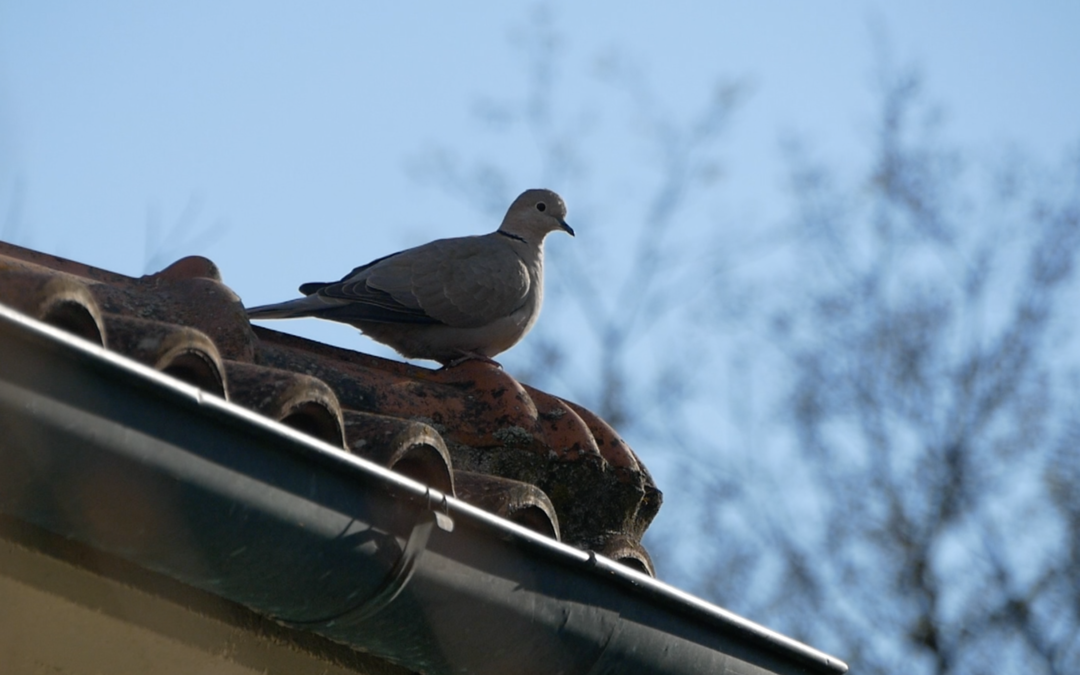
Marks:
<point>470,430</point>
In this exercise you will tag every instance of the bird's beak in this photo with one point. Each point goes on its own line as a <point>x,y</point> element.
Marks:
<point>566,227</point>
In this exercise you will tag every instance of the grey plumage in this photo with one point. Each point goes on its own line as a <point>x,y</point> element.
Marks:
<point>448,300</point>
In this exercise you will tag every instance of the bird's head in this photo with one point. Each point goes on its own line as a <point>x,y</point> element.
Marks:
<point>534,214</point>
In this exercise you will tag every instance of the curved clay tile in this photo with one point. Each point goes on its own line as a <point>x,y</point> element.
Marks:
<point>300,401</point>
<point>494,425</point>
<point>522,503</point>
<point>56,299</point>
<point>185,353</point>
<point>410,448</point>
<point>184,294</point>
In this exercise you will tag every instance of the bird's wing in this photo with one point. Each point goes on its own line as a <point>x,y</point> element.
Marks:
<point>316,286</point>
<point>356,301</point>
<point>465,282</point>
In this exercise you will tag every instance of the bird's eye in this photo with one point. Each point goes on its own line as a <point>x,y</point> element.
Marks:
<point>541,206</point>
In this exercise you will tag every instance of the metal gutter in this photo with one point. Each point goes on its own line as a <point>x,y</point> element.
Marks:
<point>99,449</point>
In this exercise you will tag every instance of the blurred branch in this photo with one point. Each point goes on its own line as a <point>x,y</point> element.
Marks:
<point>904,331</point>
<point>649,281</point>
<point>13,216</point>
<point>183,237</point>
<point>913,369</point>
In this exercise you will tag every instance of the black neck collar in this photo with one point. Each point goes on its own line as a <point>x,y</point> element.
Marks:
<point>512,236</point>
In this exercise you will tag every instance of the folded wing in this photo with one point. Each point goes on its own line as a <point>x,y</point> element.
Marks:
<point>466,283</point>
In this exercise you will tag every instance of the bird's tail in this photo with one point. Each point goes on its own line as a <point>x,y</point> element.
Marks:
<point>291,309</point>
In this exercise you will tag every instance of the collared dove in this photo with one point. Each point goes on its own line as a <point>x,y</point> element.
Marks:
<point>449,300</point>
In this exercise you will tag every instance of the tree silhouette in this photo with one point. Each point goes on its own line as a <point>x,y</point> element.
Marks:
<point>868,408</point>
<point>931,360</point>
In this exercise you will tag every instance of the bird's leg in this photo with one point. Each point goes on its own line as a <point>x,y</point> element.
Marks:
<point>472,356</point>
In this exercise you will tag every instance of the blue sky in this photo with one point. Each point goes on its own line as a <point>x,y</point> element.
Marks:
<point>286,131</point>
<point>292,124</point>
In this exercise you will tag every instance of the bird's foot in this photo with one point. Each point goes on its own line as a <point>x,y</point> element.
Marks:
<point>472,356</point>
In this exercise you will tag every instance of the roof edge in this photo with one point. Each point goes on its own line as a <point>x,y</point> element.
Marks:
<point>212,457</point>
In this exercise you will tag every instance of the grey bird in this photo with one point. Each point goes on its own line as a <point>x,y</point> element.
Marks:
<point>450,300</point>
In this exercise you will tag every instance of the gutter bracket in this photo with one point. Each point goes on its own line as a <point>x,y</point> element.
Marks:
<point>402,572</point>
<point>442,516</point>
<point>433,513</point>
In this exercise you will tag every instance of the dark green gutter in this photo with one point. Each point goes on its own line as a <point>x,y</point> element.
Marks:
<point>106,452</point>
